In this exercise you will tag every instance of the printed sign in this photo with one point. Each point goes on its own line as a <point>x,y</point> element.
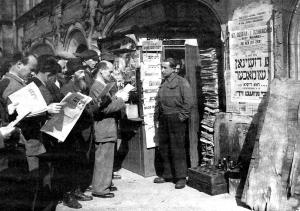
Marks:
<point>152,45</point>
<point>250,45</point>
<point>151,78</point>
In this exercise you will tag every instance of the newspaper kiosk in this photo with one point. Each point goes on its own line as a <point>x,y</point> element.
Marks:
<point>139,63</point>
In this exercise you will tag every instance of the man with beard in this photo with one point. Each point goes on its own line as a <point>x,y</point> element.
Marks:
<point>79,140</point>
<point>89,59</point>
<point>105,131</point>
<point>76,73</point>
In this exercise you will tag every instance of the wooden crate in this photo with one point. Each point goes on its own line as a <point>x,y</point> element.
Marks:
<point>208,180</point>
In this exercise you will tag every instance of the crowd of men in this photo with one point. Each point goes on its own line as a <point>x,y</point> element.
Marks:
<point>86,157</point>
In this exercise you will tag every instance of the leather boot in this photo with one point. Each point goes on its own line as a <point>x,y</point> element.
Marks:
<point>69,200</point>
<point>80,196</point>
<point>180,184</point>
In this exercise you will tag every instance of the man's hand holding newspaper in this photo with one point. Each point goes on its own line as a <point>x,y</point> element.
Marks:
<point>124,93</point>
<point>55,108</point>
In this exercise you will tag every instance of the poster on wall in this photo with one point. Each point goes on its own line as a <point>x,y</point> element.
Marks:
<point>251,60</point>
<point>151,80</point>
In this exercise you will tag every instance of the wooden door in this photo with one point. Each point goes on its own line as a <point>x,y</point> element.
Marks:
<point>192,64</point>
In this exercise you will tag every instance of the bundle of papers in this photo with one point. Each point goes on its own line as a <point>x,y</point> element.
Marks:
<point>210,86</point>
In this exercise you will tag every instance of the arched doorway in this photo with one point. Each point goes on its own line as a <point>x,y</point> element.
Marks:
<point>179,20</point>
<point>76,41</point>
<point>294,44</point>
<point>169,19</point>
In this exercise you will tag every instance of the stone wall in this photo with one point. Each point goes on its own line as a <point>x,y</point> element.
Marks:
<point>81,15</point>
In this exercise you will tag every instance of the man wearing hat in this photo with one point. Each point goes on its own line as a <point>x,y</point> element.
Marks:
<point>89,58</point>
<point>80,138</point>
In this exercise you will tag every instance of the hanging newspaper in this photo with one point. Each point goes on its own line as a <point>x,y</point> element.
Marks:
<point>60,125</point>
<point>151,78</point>
<point>29,100</point>
<point>251,61</point>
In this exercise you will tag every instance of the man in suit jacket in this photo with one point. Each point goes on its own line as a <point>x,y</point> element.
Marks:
<point>15,79</point>
<point>105,125</point>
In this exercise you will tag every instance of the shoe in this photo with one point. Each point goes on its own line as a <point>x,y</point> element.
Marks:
<point>161,180</point>
<point>116,176</point>
<point>107,195</point>
<point>70,201</point>
<point>80,196</point>
<point>180,184</point>
<point>113,188</point>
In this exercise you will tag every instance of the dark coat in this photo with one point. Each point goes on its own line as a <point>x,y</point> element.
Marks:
<point>10,84</point>
<point>174,97</point>
<point>106,127</point>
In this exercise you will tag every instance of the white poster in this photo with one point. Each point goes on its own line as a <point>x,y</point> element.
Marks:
<point>251,61</point>
<point>151,78</point>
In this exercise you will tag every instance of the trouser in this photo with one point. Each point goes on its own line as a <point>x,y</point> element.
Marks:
<point>172,146</point>
<point>103,167</point>
<point>70,165</point>
<point>33,148</point>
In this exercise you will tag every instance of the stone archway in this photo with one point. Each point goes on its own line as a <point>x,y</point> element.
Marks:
<point>194,17</point>
<point>75,38</point>
<point>175,19</point>
<point>294,44</point>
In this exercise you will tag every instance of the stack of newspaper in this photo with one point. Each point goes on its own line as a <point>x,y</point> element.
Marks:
<point>209,80</point>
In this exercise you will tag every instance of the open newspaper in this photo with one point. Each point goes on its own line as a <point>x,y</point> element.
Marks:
<point>29,99</point>
<point>61,124</point>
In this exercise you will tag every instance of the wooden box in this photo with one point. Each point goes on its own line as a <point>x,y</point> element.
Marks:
<point>208,180</point>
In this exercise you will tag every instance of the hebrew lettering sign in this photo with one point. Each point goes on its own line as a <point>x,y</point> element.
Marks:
<point>250,45</point>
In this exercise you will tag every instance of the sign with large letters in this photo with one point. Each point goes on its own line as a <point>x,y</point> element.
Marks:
<point>251,54</point>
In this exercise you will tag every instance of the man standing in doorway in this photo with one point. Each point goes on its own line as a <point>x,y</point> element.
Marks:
<point>173,106</point>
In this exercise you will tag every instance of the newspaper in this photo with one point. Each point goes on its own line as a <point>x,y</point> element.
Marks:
<point>128,88</point>
<point>61,124</point>
<point>29,100</point>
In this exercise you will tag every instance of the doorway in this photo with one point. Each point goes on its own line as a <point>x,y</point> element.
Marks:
<point>179,21</point>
